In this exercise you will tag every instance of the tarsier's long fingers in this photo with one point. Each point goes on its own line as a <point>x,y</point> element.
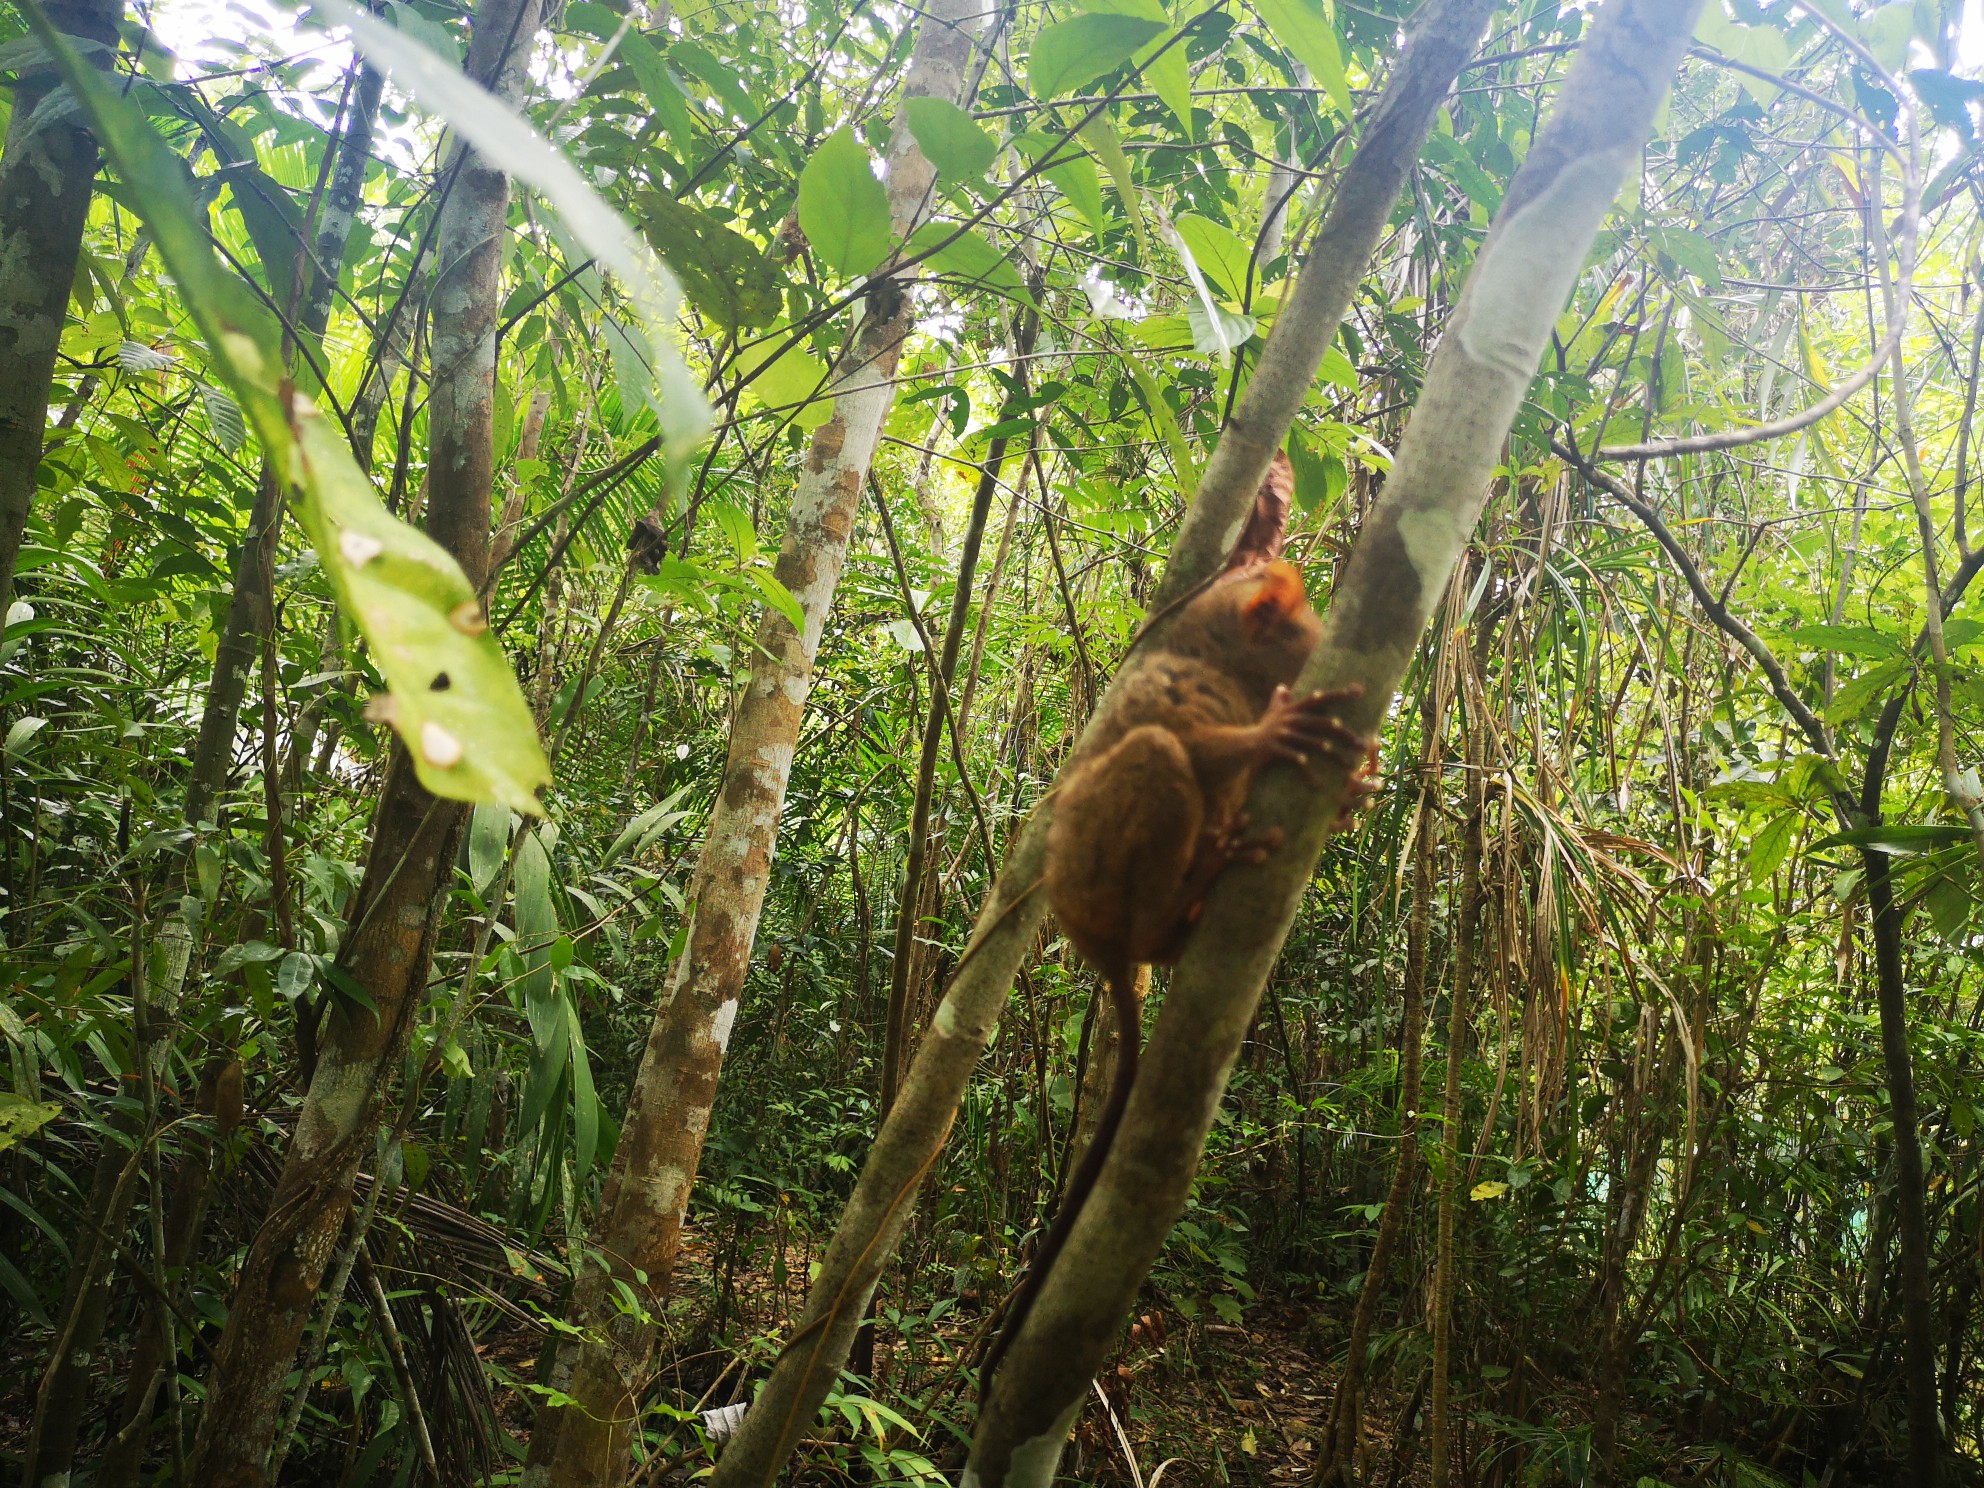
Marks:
<point>1301,731</point>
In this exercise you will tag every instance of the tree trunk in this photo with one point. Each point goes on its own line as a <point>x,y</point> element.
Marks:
<point>249,610</point>
<point>1918,1319</point>
<point>908,1145</point>
<point>410,865</point>
<point>639,1226</point>
<point>46,175</point>
<point>1439,1410</point>
<point>1338,1461</point>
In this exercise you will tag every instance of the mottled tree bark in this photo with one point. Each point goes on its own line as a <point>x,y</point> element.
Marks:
<point>46,172</point>
<point>646,1196</point>
<point>410,864</point>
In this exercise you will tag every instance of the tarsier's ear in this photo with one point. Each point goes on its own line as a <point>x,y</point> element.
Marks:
<point>1279,594</point>
<point>1267,524</point>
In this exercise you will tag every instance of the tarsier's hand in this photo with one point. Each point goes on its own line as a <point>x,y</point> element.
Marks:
<point>1306,730</point>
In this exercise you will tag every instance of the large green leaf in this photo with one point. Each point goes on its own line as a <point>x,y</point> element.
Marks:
<point>1218,251</point>
<point>950,140</point>
<point>451,696</point>
<point>728,277</point>
<point>843,209</point>
<point>968,256</point>
<point>1070,54</point>
<point>788,382</point>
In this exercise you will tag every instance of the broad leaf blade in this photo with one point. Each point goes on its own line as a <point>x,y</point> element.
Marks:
<point>843,209</point>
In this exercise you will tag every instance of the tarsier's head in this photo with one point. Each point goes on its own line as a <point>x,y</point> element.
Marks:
<point>1255,622</point>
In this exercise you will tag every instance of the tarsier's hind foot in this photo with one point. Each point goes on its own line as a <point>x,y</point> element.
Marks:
<point>1231,844</point>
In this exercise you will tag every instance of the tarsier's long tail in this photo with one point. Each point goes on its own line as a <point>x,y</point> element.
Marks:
<point>1129,1033</point>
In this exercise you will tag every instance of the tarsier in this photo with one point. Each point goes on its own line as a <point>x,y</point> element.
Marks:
<point>1152,813</point>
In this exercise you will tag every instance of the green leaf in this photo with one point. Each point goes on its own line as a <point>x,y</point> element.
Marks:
<point>1772,845</point>
<point>1848,640</point>
<point>1080,182</point>
<point>949,139</point>
<point>20,734</point>
<point>968,256</point>
<point>1218,250</point>
<point>21,1118</point>
<point>779,597</point>
<point>452,694</point>
<point>1950,907</point>
<point>488,841</point>
<point>788,382</point>
<point>843,209</point>
<point>1691,251</point>
<point>1068,55</point>
<point>430,34</point>
<point>1897,839</point>
<point>1100,136</point>
<point>1887,32</point>
<point>671,104</point>
<point>1867,689</point>
<point>1168,71</point>
<point>727,276</point>
<point>1761,47</point>
<point>1303,28</point>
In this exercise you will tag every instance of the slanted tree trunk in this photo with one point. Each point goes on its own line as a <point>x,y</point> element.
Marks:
<point>1404,556</point>
<point>249,611</point>
<point>409,866</point>
<point>639,1225</point>
<point>909,1142</point>
<point>46,173</point>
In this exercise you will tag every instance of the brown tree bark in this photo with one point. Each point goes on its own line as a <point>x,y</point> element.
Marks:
<point>1337,1463</point>
<point>638,1230</point>
<point>410,864</point>
<point>1447,1179</point>
<point>47,171</point>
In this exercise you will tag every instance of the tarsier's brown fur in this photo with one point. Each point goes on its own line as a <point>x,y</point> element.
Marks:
<point>1153,811</point>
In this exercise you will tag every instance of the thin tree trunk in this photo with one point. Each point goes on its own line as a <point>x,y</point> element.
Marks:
<point>1439,1413</point>
<point>896,1037</point>
<point>46,176</point>
<point>249,610</point>
<point>646,1195</point>
<point>1338,1462</point>
<point>1918,1318</point>
<point>389,948</point>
